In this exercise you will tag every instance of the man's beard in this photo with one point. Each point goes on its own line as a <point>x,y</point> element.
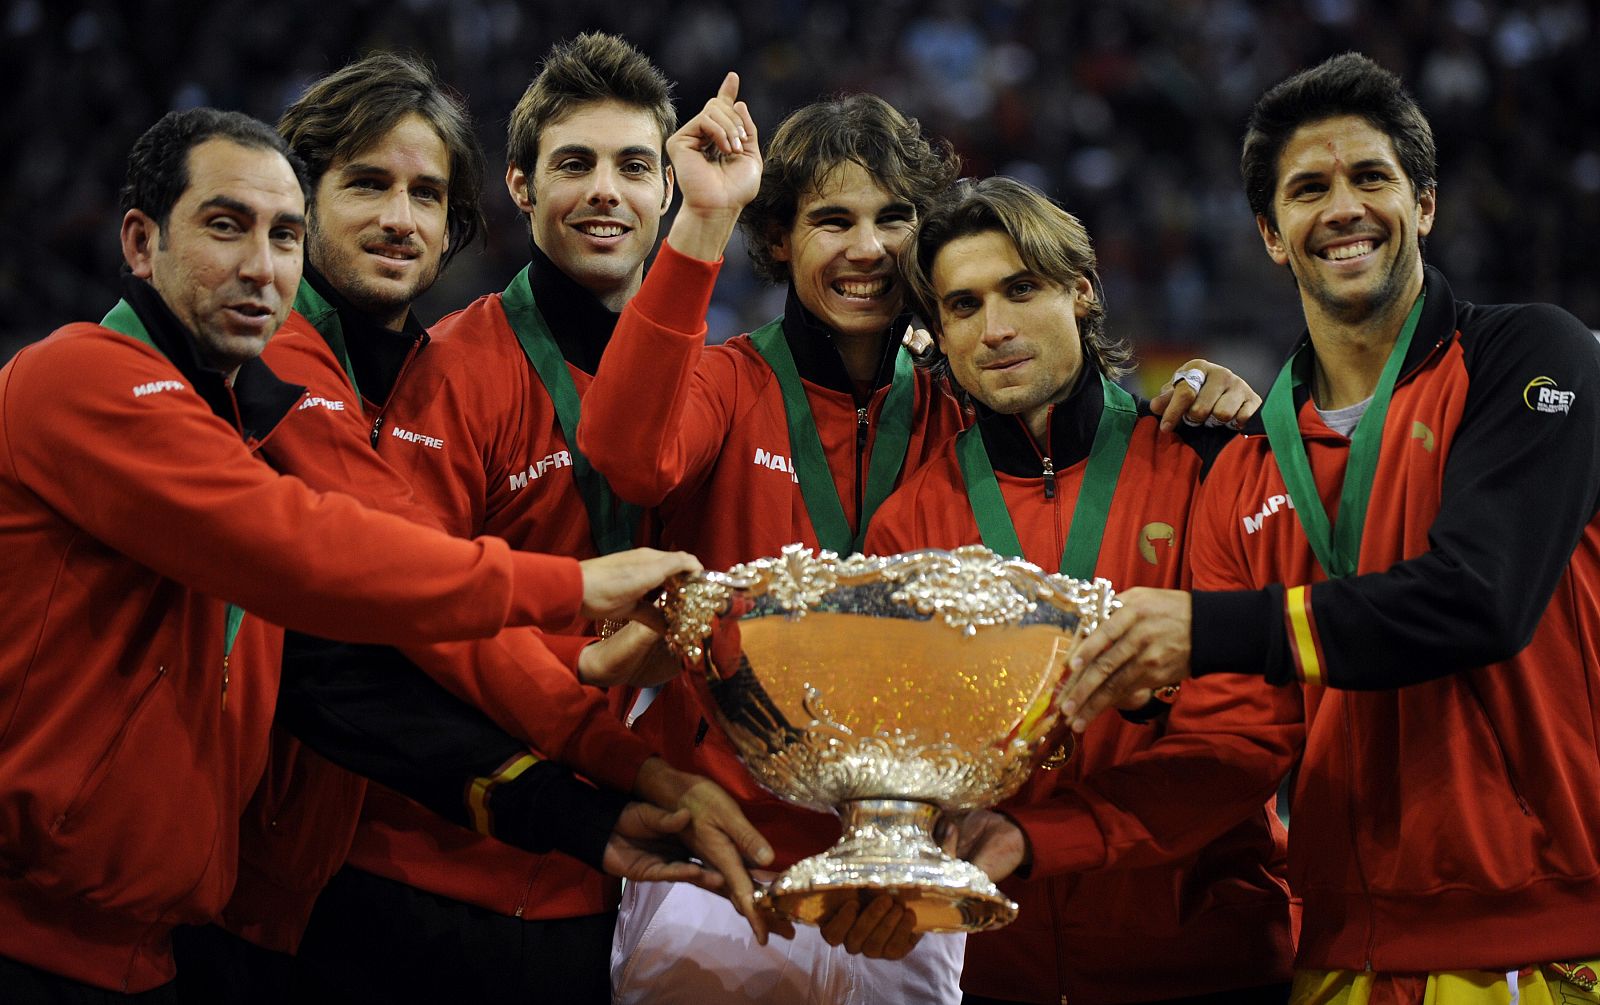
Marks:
<point>1376,302</point>
<point>381,303</point>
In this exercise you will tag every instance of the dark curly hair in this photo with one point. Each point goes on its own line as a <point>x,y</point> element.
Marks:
<point>814,140</point>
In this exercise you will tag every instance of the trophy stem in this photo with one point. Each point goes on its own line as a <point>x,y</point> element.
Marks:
<point>888,847</point>
<point>901,826</point>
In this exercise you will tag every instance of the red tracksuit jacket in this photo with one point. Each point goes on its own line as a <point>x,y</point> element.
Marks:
<point>1444,816</point>
<point>501,467</point>
<point>701,432</point>
<point>1157,858</point>
<point>131,513</point>
<point>299,827</point>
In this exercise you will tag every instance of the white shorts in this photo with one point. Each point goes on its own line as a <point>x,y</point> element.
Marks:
<point>679,945</point>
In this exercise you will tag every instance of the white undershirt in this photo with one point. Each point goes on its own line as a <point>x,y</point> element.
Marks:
<point>1343,420</point>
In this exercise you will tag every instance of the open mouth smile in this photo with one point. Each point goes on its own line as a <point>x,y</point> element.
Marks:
<point>861,289</point>
<point>600,228</point>
<point>1349,251</point>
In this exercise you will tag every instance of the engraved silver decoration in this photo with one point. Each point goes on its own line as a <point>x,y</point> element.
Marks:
<point>886,690</point>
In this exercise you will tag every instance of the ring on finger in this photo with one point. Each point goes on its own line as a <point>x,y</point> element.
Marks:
<point>1193,376</point>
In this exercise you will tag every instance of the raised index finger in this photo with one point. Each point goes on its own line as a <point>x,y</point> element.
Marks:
<point>730,87</point>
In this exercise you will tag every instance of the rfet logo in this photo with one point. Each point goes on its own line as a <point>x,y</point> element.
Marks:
<point>1542,395</point>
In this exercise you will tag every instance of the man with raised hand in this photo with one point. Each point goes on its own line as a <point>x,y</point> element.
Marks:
<point>794,433</point>
<point>139,660</point>
<point>1414,546</point>
<point>1137,887</point>
<point>671,424</point>
<point>472,415</point>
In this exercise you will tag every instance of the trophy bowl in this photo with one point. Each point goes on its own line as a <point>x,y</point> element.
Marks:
<point>886,690</point>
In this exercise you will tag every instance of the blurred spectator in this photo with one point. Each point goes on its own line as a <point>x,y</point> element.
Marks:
<point>1128,111</point>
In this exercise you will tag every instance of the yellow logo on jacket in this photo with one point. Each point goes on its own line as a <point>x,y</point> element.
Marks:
<point>1151,535</point>
<point>1420,431</point>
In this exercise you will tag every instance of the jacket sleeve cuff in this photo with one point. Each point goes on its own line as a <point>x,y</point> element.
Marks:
<point>677,292</point>
<point>549,809</point>
<point>567,648</point>
<point>1063,835</point>
<point>546,590</point>
<point>1238,631</point>
<point>623,757</point>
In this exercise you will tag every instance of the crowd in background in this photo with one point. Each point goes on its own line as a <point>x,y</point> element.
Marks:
<point>1127,111</point>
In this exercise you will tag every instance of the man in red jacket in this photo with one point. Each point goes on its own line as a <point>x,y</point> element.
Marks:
<point>794,433</point>
<point>1414,546</point>
<point>472,415</point>
<point>394,170</point>
<point>139,657</point>
<point>1138,888</point>
<point>839,191</point>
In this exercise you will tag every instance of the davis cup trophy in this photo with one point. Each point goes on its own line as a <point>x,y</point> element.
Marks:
<point>886,690</point>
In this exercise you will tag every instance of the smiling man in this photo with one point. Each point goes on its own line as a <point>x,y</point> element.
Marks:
<point>1132,893</point>
<point>1414,548</point>
<point>708,434</point>
<point>794,433</point>
<point>394,170</point>
<point>472,416</point>
<point>138,654</point>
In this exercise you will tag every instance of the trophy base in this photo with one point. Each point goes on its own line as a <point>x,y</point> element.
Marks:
<point>888,848</point>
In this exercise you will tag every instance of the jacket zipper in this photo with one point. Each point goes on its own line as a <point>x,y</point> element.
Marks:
<point>377,423</point>
<point>1355,840</point>
<point>861,450</point>
<point>527,891</point>
<point>1047,474</point>
<point>1054,886</point>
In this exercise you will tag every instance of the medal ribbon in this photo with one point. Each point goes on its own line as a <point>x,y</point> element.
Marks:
<point>613,523</point>
<point>1089,514</point>
<point>1338,548</point>
<point>805,444</point>
<point>325,319</point>
<point>123,318</point>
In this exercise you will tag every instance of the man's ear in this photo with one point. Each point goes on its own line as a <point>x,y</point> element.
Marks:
<point>1427,205</point>
<point>140,237</point>
<point>1083,297</point>
<point>670,180</point>
<point>520,188</point>
<point>778,241</point>
<point>1277,250</point>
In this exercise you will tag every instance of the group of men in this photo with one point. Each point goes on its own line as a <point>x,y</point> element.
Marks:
<point>429,794</point>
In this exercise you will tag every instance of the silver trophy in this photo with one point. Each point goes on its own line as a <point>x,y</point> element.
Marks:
<point>886,690</point>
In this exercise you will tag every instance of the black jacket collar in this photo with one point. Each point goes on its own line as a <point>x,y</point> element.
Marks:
<point>1073,423</point>
<point>817,358</point>
<point>376,353</point>
<point>262,399</point>
<point>579,322</point>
